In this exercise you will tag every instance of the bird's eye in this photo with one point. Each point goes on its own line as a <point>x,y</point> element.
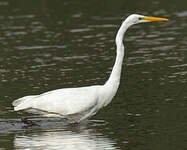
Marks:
<point>139,18</point>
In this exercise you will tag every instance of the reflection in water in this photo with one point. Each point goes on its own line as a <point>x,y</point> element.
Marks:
<point>87,139</point>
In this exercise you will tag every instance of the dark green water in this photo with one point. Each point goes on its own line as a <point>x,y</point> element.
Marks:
<point>46,45</point>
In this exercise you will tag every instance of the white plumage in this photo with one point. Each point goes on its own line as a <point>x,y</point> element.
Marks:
<point>77,104</point>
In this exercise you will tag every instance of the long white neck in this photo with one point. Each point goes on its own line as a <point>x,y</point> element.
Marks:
<point>114,78</point>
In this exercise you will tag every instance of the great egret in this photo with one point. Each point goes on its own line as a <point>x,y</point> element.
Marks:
<point>77,104</point>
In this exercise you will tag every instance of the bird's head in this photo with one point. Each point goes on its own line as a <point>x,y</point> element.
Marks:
<point>135,19</point>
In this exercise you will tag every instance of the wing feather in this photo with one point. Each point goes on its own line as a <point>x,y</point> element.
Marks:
<point>64,101</point>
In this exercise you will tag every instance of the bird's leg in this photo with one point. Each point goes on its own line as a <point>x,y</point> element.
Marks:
<point>28,122</point>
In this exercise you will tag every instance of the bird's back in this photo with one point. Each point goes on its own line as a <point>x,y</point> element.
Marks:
<point>68,101</point>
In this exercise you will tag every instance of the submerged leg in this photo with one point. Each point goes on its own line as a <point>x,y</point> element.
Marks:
<point>28,122</point>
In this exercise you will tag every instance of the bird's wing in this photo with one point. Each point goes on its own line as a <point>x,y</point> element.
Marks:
<point>64,101</point>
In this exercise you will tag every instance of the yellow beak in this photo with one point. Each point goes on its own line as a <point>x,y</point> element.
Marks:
<point>155,19</point>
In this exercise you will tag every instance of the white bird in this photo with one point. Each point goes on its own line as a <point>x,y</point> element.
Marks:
<point>77,104</point>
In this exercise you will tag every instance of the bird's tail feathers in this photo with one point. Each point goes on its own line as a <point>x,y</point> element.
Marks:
<point>19,103</point>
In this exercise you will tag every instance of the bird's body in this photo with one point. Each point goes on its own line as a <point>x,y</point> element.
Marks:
<point>77,104</point>
<point>84,102</point>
